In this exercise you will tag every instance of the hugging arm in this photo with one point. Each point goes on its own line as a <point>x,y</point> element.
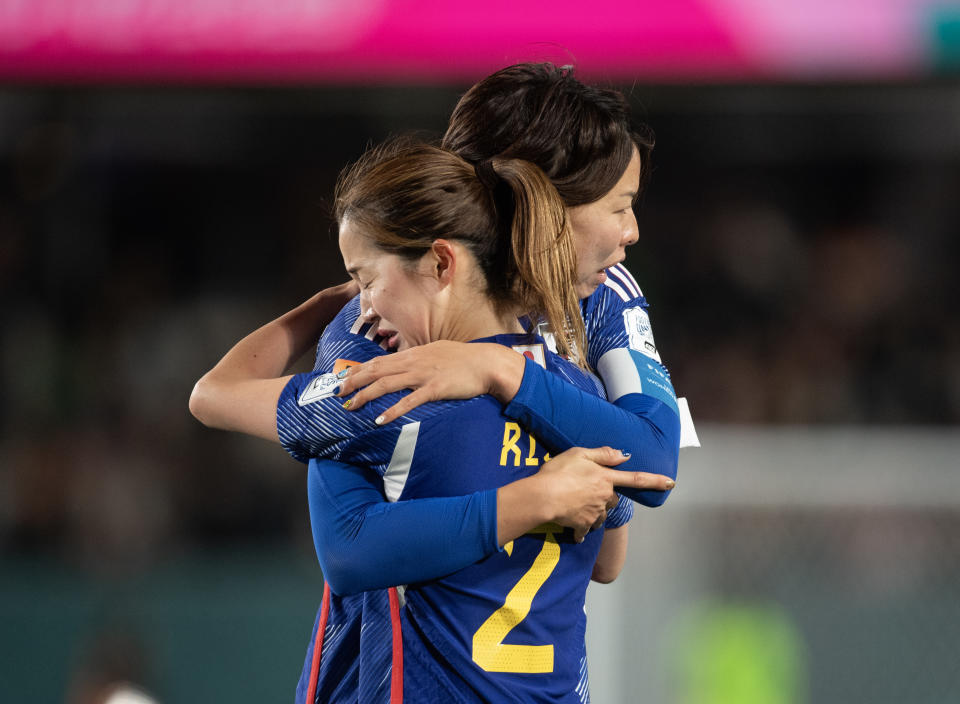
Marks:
<point>240,392</point>
<point>646,426</point>
<point>564,416</point>
<point>642,416</point>
<point>364,542</point>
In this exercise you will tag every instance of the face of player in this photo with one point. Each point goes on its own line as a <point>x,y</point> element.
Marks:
<point>602,230</point>
<point>391,288</point>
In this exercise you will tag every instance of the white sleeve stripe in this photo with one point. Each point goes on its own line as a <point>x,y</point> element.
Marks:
<point>628,279</point>
<point>619,373</point>
<point>616,287</point>
<point>395,478</point>
<point>357,324</point>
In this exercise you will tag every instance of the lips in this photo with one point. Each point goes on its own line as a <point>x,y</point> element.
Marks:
<point>393,337</point>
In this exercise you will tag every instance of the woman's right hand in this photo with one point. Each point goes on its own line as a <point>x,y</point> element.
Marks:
<point>579,483</point>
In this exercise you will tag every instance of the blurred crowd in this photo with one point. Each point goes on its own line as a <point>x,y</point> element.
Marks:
<point>793,279</point>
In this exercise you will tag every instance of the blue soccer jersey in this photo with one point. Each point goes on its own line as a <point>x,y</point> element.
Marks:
<point>620,346</point>
<point>622,349</point>
<point>450,449</point>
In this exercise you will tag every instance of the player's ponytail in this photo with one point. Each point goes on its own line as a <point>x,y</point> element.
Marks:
<point>537,254</point>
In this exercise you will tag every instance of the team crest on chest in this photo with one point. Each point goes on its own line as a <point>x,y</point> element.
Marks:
<point>533,352</point>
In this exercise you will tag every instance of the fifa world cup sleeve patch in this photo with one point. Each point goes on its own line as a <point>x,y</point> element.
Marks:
<point>319,388</point>
<point>640,332</point>
<point>325,385</point>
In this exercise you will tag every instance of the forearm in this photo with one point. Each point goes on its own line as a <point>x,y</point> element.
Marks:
<point>239,392</point>
<point>522,506</point>
<point>612,555</point>
<point>563,416</point>
<point>364,542</point>
<point>272,349</point>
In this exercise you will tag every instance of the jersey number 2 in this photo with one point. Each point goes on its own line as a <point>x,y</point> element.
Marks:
<point>489,650</point>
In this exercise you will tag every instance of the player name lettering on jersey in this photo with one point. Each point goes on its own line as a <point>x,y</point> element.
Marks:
<point>511,452</point>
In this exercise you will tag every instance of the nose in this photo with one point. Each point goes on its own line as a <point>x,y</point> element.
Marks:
<point>632,234</point>
<point>364,303</point>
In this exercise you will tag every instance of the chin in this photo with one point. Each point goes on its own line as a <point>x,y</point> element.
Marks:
<point>586,289</point>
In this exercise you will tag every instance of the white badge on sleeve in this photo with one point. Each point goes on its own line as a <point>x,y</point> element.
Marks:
<point>640,332</point>
<point>321,387</point>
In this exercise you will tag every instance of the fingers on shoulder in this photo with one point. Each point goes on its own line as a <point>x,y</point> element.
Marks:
<point>406,404</point>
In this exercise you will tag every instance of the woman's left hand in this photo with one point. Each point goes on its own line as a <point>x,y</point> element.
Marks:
<point>442,370</point>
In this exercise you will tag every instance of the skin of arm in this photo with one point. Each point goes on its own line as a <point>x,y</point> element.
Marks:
<point>612,555</point>
<point>240,393</point>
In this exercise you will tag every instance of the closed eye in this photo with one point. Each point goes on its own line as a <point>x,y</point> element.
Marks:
<point>356,277</point>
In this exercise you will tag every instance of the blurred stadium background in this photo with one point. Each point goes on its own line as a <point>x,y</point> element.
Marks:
<point>165,171</point>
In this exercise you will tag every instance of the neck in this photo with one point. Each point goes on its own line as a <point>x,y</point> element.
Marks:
<point>471,317</point>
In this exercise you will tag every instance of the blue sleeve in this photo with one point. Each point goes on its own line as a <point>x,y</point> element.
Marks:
<point>620,514</point>
<point>311,420</point>
<point>563,416</point>
<point>363,542</point>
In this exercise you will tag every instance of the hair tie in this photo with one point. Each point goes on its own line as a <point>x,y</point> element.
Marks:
<point>487,175</point>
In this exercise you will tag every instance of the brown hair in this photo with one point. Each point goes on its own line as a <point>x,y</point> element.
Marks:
<point>580,136</point>
<point>406,195</point>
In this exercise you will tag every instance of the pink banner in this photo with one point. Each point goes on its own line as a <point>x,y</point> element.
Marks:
<point>417,40</point>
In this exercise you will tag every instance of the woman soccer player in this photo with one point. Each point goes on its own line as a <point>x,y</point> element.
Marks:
<point>528,109</point>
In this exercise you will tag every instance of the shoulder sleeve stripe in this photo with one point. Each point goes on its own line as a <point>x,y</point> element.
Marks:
<point>628,280</point>
<point>620,374</point>
<point>617,288</point>
<point>625,371</point>
<point>395,478</point>
<point>357,324</point>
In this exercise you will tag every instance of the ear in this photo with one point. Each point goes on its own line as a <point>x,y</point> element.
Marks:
<point>443,260</point>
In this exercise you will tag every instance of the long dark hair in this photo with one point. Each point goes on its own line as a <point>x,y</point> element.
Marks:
<point>580,136</point>
<point>405,195</point>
